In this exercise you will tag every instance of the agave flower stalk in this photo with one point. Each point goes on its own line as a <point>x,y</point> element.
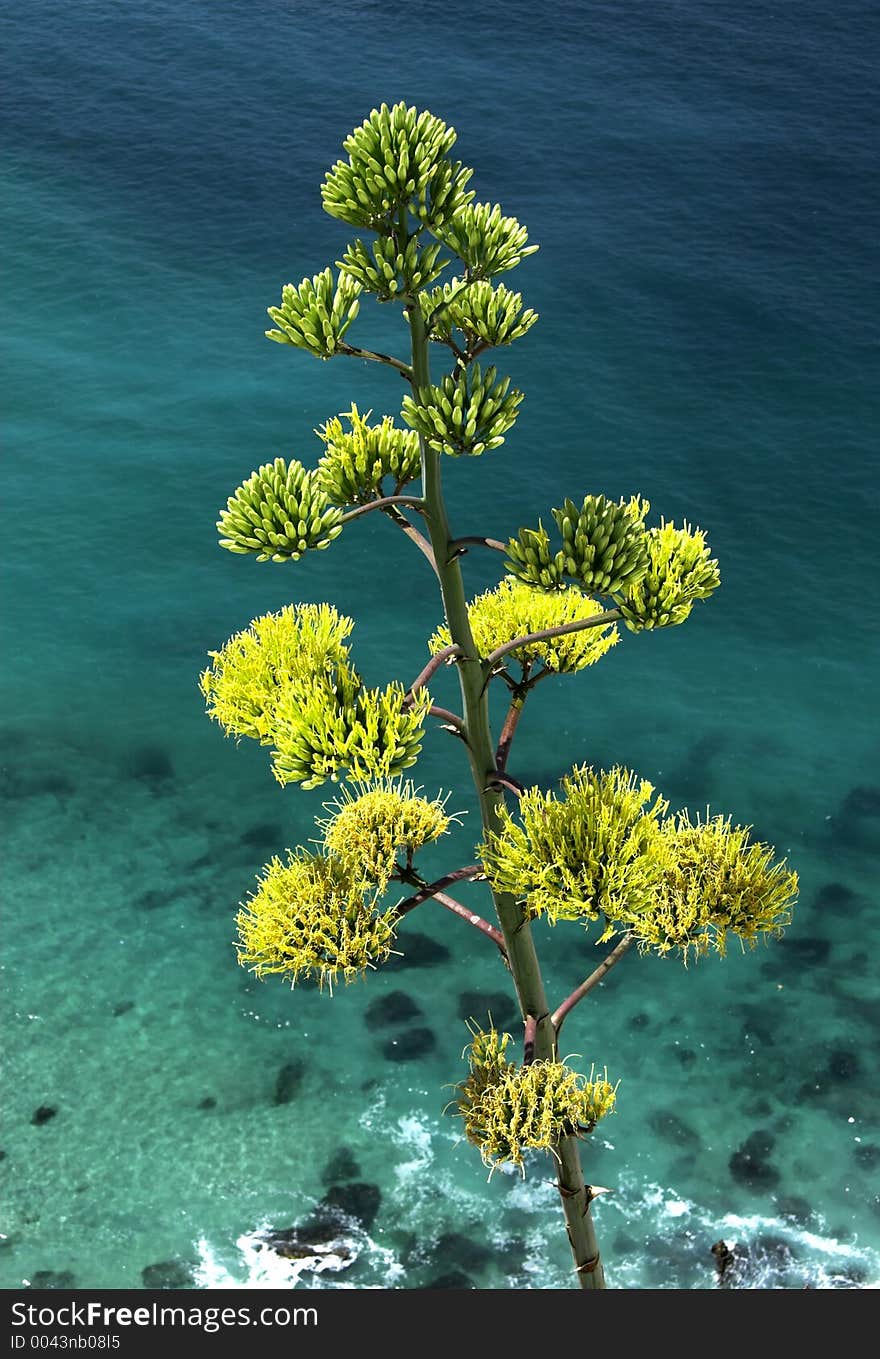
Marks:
<point>603,852</point>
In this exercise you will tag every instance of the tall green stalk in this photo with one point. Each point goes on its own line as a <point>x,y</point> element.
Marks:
<point>519,941</point>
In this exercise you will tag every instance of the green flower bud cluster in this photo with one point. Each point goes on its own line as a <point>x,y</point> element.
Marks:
<point>391,273</point>
<point>466,414</point>
<point>672,884</point>
<point>485,315</point>
<point>367,831</point>
<point>597,850</point>
<point>603,547</point>
<point>309,918</point>
<point>680,571</point>
<point>717,883</point>
<point>397,158</point>
<point>324,729</point>
<point>509,1109</point>
<point>513,609</point>
<point>279,513</point>
<point>357,460</point>
<point>316,315</point>
<point>485,240</point>
<point>288,682</point>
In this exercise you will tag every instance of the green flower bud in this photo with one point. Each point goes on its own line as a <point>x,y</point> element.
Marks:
<point>485,240</point>
<point>680,571</point>
<point>279,513</point>
<point>316,315</point>
<point>488,407</point>
<point>358,460</point>
<point>397,158</point>
<point>603,547</point>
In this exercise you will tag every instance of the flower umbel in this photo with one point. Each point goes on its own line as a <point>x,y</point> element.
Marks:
<point>310,918</point>
<point>510,1109</point>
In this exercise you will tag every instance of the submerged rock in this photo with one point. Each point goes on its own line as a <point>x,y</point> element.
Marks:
<point>667,1124</point>
<point>358,1200</point>
<point>341,1166</point>
<point>795,1207</point>
<point>152,765</point>
<point>153,899</point>
<point>53,1278</point>
<point>454,1279</point>
<point>43,1114</point>
<point>836,897</point>
<point>411,1043</point>
<point>343,1209</point>
<point>288,1081</point>
<point>396,1008</point>
<point>481,1006</point>
<point>418,950</point>
<point>266,835</point>
<point>844,1065</point>
<point>461,1253</point>
<point>805,950</point>
<point>749,1165</point>
<point>863,800</point>
<point>168,1274</point>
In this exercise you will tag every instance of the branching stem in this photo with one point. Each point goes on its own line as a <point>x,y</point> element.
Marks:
<point>611,960</point>
<point>434,890</point>
<point>383,503</point>
<point>597,621</point>
<point>433,666</point>
<point>354,352</point>
<point>458,545</point>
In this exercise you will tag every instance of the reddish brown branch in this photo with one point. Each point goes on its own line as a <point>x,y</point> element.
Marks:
<point>529,1040</point>
<point>353,351</point>
<point>597,621</point>
<point>476,920</point>
<point>382,503</point>
<point>594,978</point>
<point>434,890</point>
<point>414,536</point>
<point>430,889</point>
<point>458,545</point>
<point>514,713</point>
<point>451,720</point>
<point>433,666</point>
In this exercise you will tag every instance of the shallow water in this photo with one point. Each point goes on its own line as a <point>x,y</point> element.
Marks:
<point>704,189</point>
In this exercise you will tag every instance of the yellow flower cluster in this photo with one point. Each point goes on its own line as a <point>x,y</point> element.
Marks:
<point>369,830</point>
<point>287,681</point>
<point>605,849</point>
<point>514,609</point>
<point>510,1109</point>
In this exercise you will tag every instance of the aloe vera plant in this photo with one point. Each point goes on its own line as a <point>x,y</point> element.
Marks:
<point>602,853</point>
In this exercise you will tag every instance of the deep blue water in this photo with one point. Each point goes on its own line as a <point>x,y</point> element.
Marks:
<point>703,181</point>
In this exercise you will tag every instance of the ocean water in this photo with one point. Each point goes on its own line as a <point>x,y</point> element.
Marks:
<point>703,181</point>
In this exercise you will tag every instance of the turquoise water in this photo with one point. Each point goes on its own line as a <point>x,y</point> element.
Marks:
<point>703,184</point>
